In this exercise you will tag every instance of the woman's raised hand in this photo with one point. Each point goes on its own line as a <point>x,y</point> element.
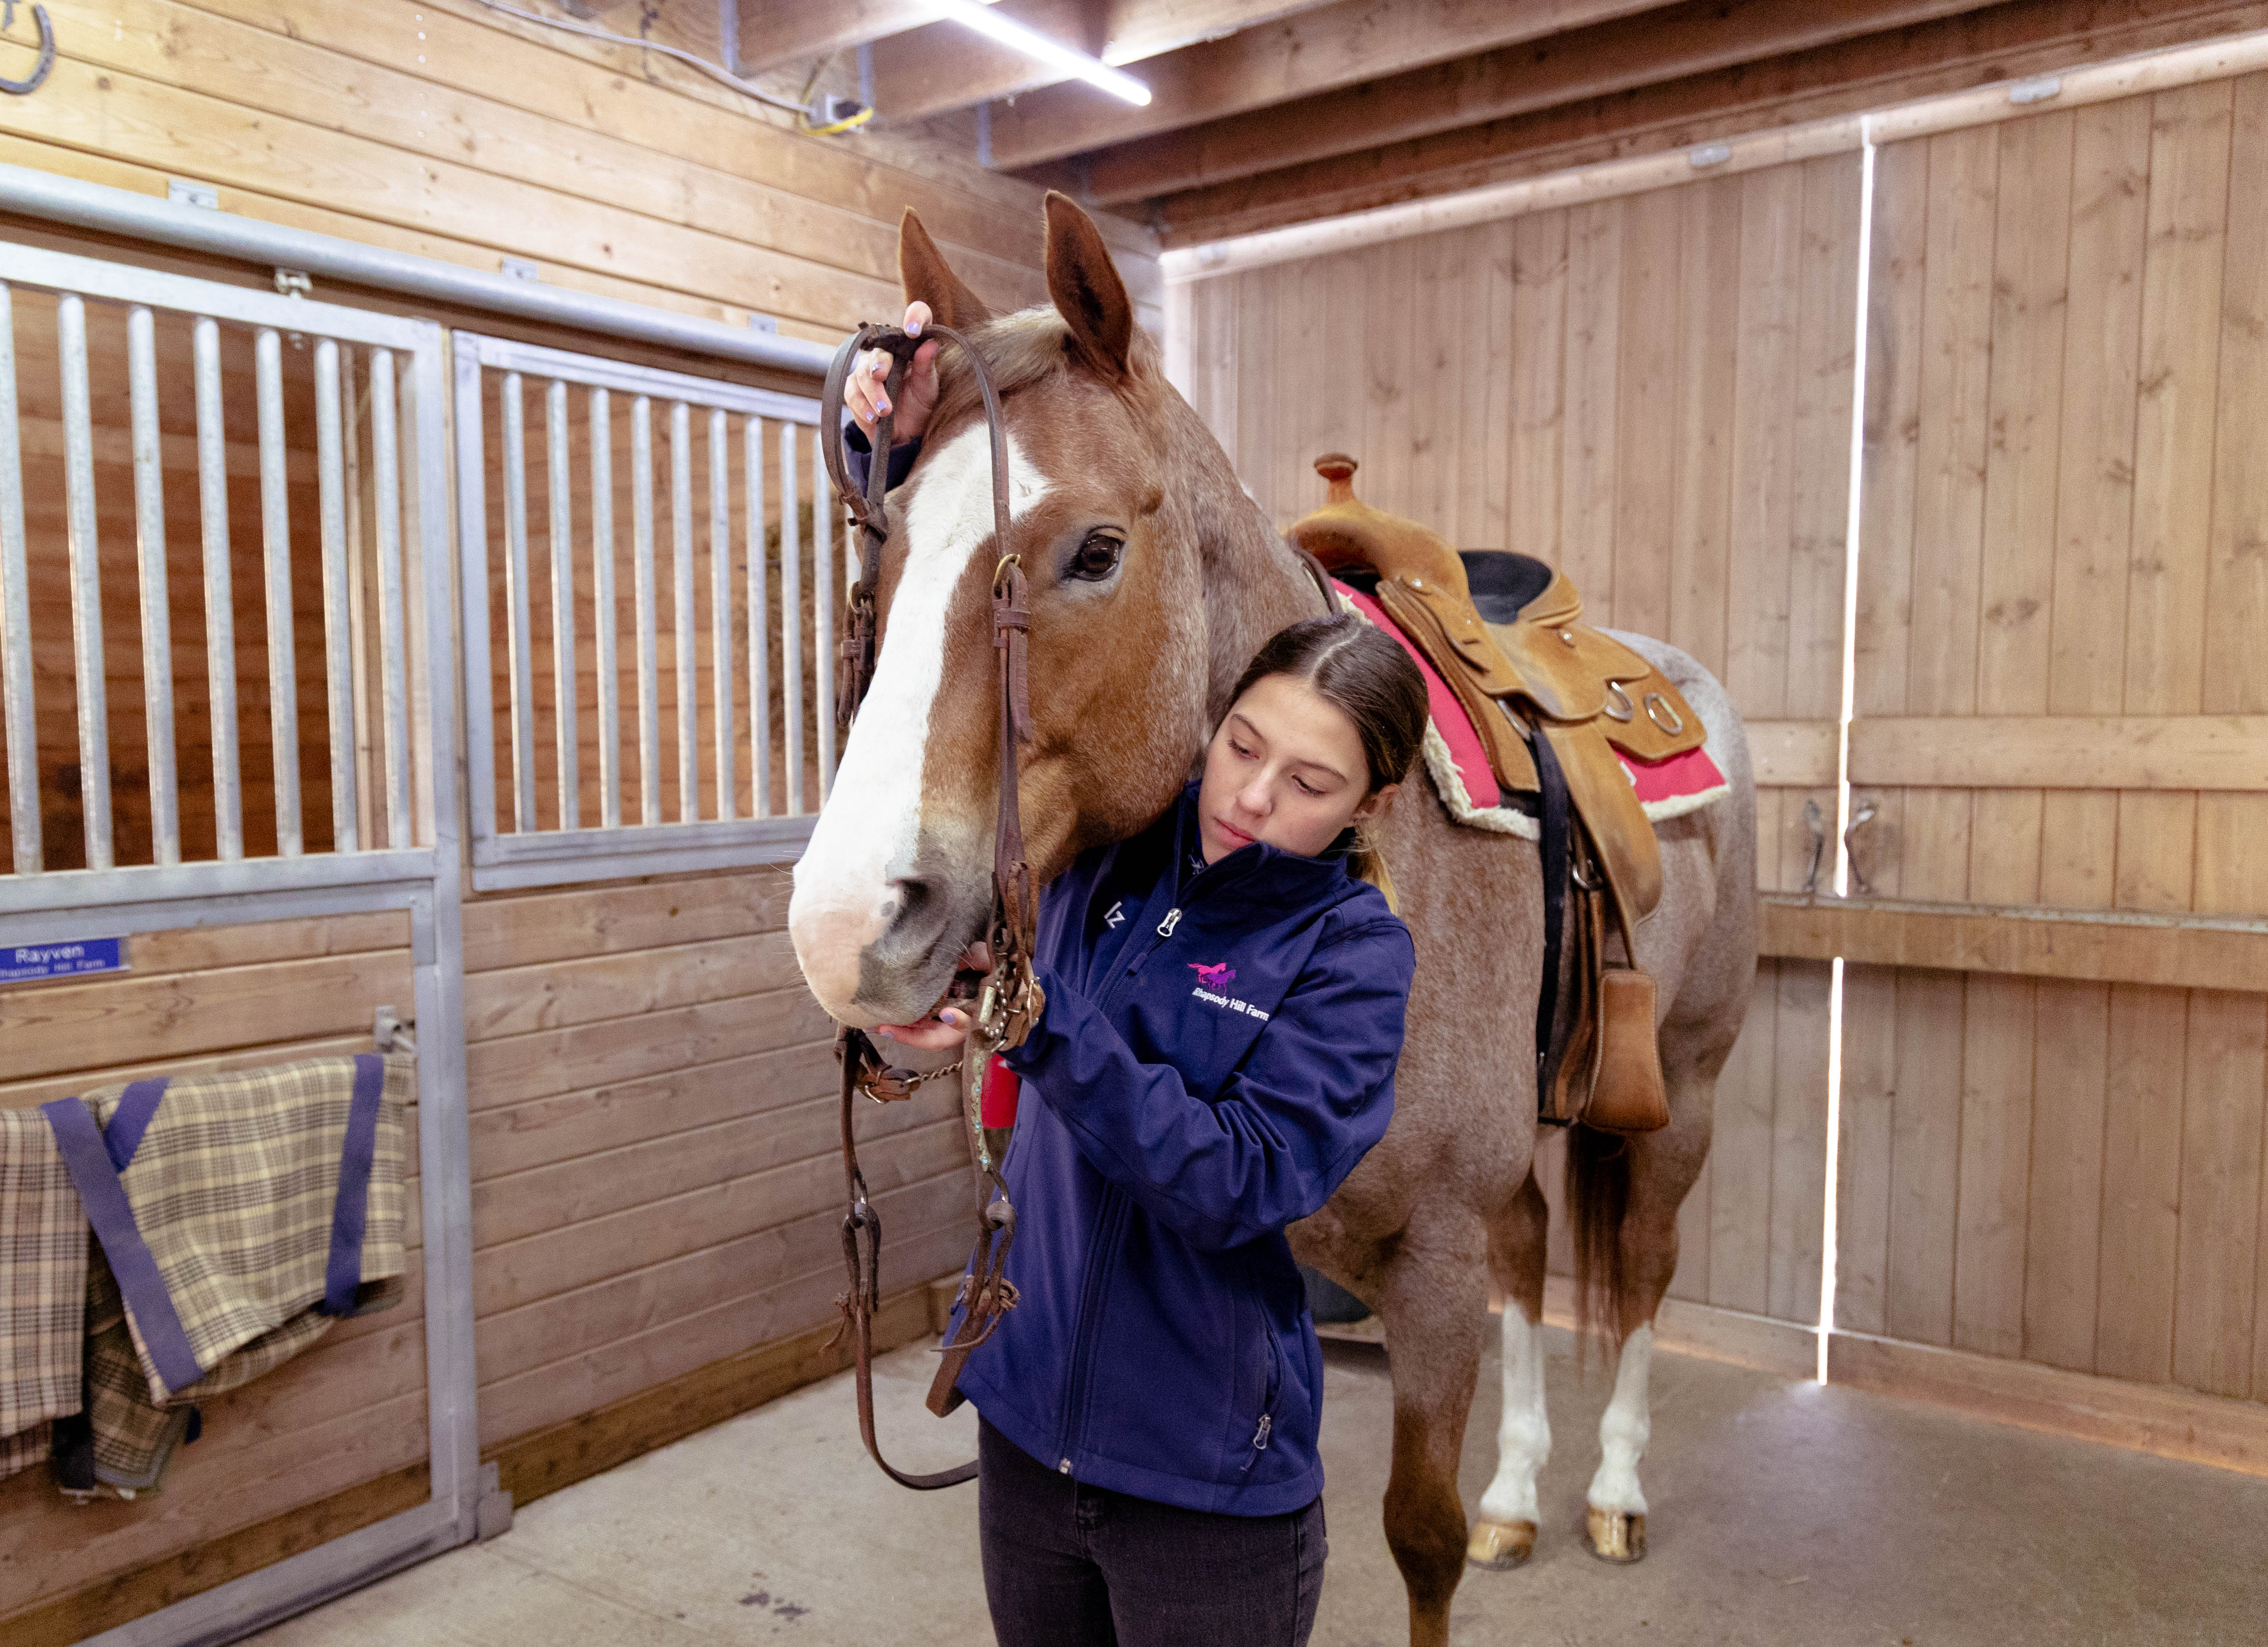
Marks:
<point>950,1027</point>
<point>917,394</point>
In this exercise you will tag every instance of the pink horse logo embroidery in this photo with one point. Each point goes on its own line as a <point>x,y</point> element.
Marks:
<point>1216,977</point>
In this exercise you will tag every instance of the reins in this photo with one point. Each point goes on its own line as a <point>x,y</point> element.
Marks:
<point>1010,1000</point>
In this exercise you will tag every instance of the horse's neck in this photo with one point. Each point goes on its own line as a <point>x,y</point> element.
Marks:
<point>1254,583</point>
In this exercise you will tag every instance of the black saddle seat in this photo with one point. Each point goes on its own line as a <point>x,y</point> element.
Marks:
<point>1503,582</point>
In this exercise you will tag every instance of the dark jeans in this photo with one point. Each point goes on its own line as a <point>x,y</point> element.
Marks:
<point>1072,1566</point>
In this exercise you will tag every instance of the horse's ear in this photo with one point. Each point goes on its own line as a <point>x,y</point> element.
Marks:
<point>928,278</point>
<point>1086,289</point>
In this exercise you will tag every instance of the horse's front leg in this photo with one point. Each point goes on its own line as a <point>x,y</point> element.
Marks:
<point>1434,1301</point>
<point>1504,1535</point>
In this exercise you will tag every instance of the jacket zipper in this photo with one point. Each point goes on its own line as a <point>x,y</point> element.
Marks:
<point>1083,1335</point>
<point>1268,1402</point>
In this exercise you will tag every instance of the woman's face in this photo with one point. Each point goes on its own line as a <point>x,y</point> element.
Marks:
<point>1286,766</point>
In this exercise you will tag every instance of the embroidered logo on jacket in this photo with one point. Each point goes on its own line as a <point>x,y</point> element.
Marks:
<point>1211,980</point>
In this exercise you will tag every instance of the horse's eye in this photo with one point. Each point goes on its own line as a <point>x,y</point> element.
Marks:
<point>1097,557</point>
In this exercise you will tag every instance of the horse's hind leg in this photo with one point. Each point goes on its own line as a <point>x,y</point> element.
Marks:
<point>1503,1534</point>
<point>1662,1167</point>
<point>1432,1301</point>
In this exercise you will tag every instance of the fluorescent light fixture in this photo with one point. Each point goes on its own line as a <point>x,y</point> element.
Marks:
<point>976,15</point>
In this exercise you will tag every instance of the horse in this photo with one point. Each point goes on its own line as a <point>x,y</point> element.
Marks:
<point>1109,467</point>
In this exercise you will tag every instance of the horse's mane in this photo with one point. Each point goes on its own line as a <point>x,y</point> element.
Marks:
<point>1021,349</point>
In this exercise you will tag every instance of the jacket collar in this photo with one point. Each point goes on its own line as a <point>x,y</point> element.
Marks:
<point>1260,870</point>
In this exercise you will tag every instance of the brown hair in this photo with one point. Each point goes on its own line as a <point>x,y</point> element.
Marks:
<point>1368,677</point>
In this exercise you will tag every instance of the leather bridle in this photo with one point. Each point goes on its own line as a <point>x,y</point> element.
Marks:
<point>1010,1000</point>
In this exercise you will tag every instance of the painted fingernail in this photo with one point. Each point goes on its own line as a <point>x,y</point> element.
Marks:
<point>882,406</point>
<point>886,1035</point>
<point>914,330</point>
<point>950,1015</point>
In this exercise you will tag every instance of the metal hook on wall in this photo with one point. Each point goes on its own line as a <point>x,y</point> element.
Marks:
<point>25,88</point>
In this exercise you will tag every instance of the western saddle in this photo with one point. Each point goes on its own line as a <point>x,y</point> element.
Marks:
<point>1552,700</point>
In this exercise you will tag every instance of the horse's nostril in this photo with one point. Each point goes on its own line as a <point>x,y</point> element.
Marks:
<point>908,901</point>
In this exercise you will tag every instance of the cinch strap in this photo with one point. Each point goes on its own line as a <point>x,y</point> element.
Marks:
<point>343,1273</point>
<point>87,1157</point>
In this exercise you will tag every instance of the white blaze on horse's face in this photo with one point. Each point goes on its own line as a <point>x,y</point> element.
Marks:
<point>849,886</point>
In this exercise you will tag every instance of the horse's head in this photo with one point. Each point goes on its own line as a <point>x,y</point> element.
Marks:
<point>1121,506</point>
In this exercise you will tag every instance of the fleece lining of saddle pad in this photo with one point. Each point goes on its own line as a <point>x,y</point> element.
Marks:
<point>1457,763</point>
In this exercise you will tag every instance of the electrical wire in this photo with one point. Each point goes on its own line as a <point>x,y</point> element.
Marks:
<point>723,76</point>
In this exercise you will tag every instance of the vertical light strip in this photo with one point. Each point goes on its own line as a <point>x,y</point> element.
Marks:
<point>1828,1254</point>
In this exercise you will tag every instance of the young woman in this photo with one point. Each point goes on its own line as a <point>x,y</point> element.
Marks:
<point>1225,1003</point>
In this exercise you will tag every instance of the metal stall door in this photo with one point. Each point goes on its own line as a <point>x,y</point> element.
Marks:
<point>227,668</point>
<point>2055,1026</point>
<point>649,688</point>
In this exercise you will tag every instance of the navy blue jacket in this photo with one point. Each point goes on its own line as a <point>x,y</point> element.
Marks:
<point>1216,1053</point>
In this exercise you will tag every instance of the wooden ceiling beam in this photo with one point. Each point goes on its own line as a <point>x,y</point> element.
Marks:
<point>2011,41</point>
<point>1694,38</point>
<point>942,66</point>
<point>1341,45</point>
<point>774,33</point>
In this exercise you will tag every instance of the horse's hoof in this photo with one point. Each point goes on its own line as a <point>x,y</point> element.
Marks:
<point>1616,1535</point>
<point>1500,1546</point>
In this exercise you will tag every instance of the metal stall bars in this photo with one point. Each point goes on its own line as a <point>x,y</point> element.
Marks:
<point>221,882</point>
<point>568,807</point>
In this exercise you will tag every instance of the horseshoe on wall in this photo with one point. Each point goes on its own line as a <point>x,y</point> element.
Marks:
<point>25,88</point>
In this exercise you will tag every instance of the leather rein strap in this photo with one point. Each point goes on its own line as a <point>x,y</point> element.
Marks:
<point>1010,1000</point>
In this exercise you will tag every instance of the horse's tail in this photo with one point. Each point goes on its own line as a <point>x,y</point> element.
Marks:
<point>1598,1185</point>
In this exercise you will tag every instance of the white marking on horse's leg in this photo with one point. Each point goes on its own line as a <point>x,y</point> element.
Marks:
<point>1523,1437</point>
<point>847,883</point>
<point>1624,1429</point>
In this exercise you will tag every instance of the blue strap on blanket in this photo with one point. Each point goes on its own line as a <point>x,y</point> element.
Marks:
<point>131,1120</point>
<point>342,1275</point>
<point>87,1157</point>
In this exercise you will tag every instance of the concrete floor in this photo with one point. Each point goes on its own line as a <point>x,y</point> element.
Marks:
<point>1783,1515</point>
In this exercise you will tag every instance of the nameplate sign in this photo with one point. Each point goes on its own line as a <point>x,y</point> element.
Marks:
<point>24,963</point>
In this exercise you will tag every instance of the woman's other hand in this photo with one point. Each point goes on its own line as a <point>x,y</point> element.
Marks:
<point>917,394</point>
<point>950,1026</point>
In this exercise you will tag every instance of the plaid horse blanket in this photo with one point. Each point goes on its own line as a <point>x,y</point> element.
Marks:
<point>43,1280</point>
<point>236,1216</point>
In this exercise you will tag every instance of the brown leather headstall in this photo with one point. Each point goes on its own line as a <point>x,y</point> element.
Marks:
<point>1010,1000</point>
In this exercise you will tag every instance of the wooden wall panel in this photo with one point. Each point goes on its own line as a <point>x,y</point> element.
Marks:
<point>2065,356</point>
<point>1653,392</point>
<point>654,1179</point>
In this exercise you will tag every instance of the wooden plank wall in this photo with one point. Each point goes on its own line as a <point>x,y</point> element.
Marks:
<point>655,1181</point>
<point>440,128</point>
<point>2065,507</point>
<point>1654,392</point>
<point>353,1407</point>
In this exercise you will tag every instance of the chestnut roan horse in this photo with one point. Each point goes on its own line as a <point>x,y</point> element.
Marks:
<point>1154,577</point>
